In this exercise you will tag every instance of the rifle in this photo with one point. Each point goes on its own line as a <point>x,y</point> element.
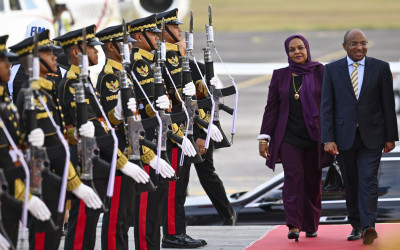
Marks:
<point>132,123</point>
<point>38,160</point>
<point>209,72</point>
<point>88,150</point>
<point>159,90</point>
<point>190,101</point>
<point>219,93</point>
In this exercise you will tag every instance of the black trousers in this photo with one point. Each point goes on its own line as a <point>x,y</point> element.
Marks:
<point>40,234</point>
<point>149,208</point>
<point>120,214</point>
<point>359,167</point>
<point>10,220</point>
<point>82,225</point>
<point>175,218</point>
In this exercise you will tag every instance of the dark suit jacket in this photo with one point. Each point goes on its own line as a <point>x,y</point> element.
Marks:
<point>374,111</point>
<point>276,112</point>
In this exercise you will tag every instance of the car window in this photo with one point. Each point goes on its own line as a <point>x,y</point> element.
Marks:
<point>388,177</point>
<point>1,5</point>
<point>15,5</point>
<point>30,4</point>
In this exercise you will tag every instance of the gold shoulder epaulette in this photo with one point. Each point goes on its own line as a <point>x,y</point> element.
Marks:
<point>171,46</point>
<point>146,54</point>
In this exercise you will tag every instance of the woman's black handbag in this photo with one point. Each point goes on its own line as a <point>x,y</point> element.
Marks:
<point>333,181</point>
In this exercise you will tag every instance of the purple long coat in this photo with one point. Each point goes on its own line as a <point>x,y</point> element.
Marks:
<point>276,112</point>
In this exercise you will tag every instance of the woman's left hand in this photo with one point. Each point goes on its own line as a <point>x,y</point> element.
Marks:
<point>264,150</point>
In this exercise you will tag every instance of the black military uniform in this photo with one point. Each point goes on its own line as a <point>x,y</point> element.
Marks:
<point>81,224</point>
<point>174,225</point>
<point>209,179</point>
<point>40,236</point>
<point>148,205</point>
<point>120,216</point>
<point>10,209</point>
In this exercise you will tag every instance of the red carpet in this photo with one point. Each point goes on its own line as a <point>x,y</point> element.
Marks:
<point>329,237</point>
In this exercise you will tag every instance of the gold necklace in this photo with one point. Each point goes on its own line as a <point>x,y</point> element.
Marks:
<point>296,95</point>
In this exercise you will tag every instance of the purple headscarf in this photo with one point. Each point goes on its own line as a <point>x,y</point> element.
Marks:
<point>306,70</point>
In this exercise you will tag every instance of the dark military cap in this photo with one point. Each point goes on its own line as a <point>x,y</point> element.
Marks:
<point>114,33</point>
<point>3,48</point>
<point>144,24</point>
<point>75,37</point>
<point>26,46</point>
<point>170,17</point>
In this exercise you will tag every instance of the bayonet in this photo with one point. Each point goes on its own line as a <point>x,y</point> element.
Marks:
<point>191,22</point>
<point>209,15</point>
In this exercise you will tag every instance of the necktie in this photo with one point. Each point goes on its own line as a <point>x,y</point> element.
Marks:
<point>354,78</point>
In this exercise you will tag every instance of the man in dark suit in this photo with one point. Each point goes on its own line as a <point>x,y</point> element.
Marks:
<point>358,120</point>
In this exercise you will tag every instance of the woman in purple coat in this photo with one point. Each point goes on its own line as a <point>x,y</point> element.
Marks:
<point>290,131</point>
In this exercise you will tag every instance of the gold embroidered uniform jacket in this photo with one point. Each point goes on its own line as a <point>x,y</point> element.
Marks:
<point>66,93</point>
<point>108,87</point>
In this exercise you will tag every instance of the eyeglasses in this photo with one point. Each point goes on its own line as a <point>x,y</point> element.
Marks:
<point>355,44</point>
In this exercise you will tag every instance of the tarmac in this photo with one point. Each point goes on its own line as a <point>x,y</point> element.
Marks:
<point>217,237</point>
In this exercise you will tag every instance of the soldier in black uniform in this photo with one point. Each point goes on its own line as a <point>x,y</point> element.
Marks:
<point>149,205</point>
<point>41,237</point>
<point>108,87</point>
<point>81,225</point>
<point>11,207</point>
<point>174,219</point>
<point>174,226</point>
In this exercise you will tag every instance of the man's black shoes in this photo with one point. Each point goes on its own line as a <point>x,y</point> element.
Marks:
<point>369,235</point>
<point>181,241</point>
<point>231,221</point>
<point>355,234</point>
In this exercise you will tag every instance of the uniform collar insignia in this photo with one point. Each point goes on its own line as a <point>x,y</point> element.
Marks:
<point>108,69</point>
<point>43,83</point>
<point>146,54</point>
<point>171,46</point>
<point>73,72</point>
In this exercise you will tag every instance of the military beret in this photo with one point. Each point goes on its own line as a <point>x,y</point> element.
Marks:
<point>145,24</point>
<point>170,17</point>
<point>26,46</point>
<point>75,37</point>
<point>114,33</point>
<point>3,48</point>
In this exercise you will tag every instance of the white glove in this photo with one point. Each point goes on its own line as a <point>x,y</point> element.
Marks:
<point>215,133</point>
<point>36,137</point>
<point>132,105</point>
<point>135,172</point>
<point>164,168</point>
<point>4,245</point>
<point>189,89</point>
<point>38,209</point>
<point>87,130</point>
<point>162,102</point>
<point>214,81</point>
<point>118,108</point>
<point>189,149</point>
<point>88,196</point>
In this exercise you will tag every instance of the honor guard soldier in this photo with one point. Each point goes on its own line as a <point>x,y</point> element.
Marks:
<point>175,222</point>
<point>82,224</point>
<point>149,205</point>
<point>108,85</point>
<point>18,76</point>
<point>174,219</point>
<point>41,236</point>
<point>11,205</point>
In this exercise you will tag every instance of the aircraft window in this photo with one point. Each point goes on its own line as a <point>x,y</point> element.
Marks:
<point>15,5</point>
<point>1,5</point>
<point>389,176</point>
<point>30,4</point>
